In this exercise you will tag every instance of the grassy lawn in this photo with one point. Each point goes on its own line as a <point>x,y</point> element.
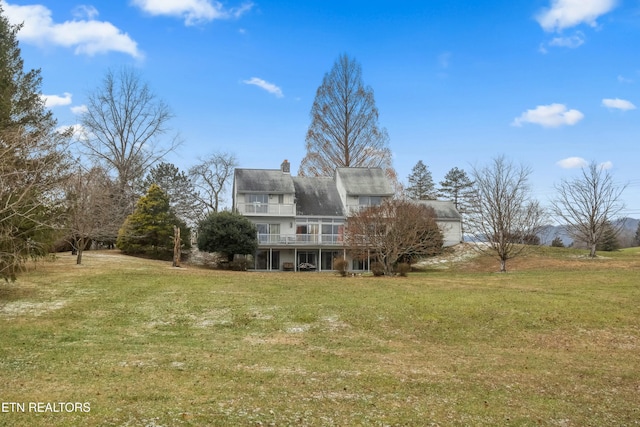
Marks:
<point>554,342</point>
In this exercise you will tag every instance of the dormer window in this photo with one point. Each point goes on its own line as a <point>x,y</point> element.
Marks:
<point>370,201</point>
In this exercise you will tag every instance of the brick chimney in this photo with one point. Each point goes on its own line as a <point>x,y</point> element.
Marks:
<point>285,166</point>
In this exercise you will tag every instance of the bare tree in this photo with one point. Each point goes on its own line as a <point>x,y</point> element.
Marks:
<point>88,202</point>
<point>33,160</point>
<point>123,129</point>
<point>344,129</point>
<point>588,203</point>
<point>394,231</point>
<point>504,218</point>
<point>211,179</point>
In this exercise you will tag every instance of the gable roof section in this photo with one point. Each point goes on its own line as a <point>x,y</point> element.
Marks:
<point>272,181</point>
<point>365,181</point>
<point>445,209</point>
<point>317,196</point>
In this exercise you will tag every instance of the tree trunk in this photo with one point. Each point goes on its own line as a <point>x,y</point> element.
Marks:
<point>79,249</point>
<point>176,246</point>
<point>503,266</point>
<point>592,251</point>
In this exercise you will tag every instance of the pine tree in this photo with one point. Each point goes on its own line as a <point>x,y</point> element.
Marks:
<point>178,187</point>
<point>557,242</point>
<point>457,187</point>
<point>150,227</point>
<point>609,241</point>
<point>421,186</point>
<point>33,160</point>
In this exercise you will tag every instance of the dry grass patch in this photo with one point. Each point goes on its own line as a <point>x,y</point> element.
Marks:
<point>554,342</point>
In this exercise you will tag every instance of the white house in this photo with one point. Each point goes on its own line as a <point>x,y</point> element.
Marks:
<point>301,220</point>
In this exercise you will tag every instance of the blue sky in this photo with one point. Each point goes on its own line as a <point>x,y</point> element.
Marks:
<point>549,83</point>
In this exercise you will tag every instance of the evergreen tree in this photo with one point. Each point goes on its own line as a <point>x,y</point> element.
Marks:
<point>421,186</point>
<point>178,187</point>
<point>33,160</point>
<point>149,229</point>
<point>229,233</point>
<point>557,242</point>
<point>458,188</point>
<point>609,241</point>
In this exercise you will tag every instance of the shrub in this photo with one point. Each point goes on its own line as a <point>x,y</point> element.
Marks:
<point>239,264</point>
<point>557,242</point>
<point>403,269</point>
<point>341,265</point>
<point>377,268</point>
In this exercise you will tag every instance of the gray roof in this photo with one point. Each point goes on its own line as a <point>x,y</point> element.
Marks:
<point>272,181</point>
<point>317,196</point>
<point>365,181</point>
<point>445,209</point>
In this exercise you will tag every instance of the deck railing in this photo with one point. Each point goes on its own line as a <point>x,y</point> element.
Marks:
<point>300,239</point>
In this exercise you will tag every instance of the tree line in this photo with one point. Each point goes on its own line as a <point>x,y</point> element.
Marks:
<point>79,188</point>
<point>104,183</point>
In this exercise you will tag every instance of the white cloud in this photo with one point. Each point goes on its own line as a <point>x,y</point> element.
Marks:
<point>87,36</point>
<point>192,11</point>
<point>570,13</point>
<point>51,101</point>
<point>606,165</point>
<point>80,109</point>
<point>549,116</point>
<point>85,11</point>
<point>572,163</point>
<point>622,79</point>
<point>269,87</point>
<point>579,162</point>
<point>571,42</point>
<point>620,104</point>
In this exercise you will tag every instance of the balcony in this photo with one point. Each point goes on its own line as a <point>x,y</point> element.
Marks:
<point>266,209</point>
<point>300,239</point>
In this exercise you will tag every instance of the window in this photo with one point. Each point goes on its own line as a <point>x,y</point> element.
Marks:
<point>370,201</point>
<point>267,260</point>
<point>268,233</point>
<point>328,258</point>
<point>307,232</point>
<point>360,264</point>
<point>307,261</point>
<point>332,233</point>
<point>256,203</point>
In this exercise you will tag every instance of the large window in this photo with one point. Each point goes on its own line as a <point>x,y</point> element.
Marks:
<point>267,260</point>
<point>332,233</point>
<point>257,203</point>
<point>307,261</point>
<point>307,233</point>
<point>328,257</point>
<point>268,233</point>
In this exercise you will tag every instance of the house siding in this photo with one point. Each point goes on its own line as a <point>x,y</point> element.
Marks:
<point>301,220</point>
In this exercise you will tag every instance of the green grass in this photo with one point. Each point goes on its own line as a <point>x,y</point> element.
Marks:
<point>554,342</point>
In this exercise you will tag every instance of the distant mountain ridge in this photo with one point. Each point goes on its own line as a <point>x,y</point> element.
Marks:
<point>550,232</point>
